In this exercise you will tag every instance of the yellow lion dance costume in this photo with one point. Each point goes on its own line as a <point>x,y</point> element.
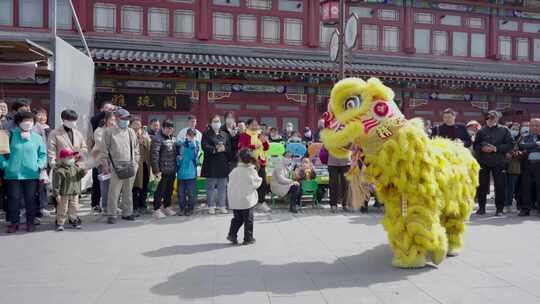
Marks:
<point>427,185</point>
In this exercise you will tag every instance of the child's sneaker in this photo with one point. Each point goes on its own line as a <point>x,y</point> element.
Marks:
<point>158,214</point>
<point>211,210</point>
<point>232,239</point>
<point>76,223</point>
<point>60,228</point>
<point>169,211</point>
<point>223,210</point>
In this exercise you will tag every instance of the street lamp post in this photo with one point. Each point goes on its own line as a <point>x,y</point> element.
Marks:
<point>334,13</point>
<point>341,28</point>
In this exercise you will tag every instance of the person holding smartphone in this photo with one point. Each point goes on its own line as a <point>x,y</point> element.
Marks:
<point>491,144</point>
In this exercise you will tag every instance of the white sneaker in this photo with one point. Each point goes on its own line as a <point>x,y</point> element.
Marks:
<point>223,210</point>
<point>263,207</point>
<point>158,214</point>
<point>169,211</point>
<point>45,212</point>
<point>211,210</point>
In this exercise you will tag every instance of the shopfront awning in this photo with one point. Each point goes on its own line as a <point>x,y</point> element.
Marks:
<point>18,70</point>
<point>170,60</point>
<point>22,60</point>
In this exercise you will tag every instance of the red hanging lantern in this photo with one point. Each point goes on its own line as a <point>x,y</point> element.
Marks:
<point>330,12</point>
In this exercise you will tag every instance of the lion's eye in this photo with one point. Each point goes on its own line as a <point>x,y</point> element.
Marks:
<point>353,102</point>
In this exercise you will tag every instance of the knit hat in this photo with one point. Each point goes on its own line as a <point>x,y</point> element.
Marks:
<point>66,152</point>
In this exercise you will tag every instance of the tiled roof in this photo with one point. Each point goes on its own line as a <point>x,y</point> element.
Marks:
<point>182,60</point>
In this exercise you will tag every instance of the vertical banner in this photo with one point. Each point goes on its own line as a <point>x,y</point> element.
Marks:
<point>74,84</point>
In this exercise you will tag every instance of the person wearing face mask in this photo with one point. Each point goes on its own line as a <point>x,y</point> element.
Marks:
<point>308,136</point>
<point>28,156</point>
<point>67,188</point>
<point>530,145</point>
<point>283,186</point>
<point>289,129</point>
<point>241,127</point>
<point>215,167</point>
<point>492,143</point>
<point>66,136</point>
<point>163,161</point>
<point>119,152</point>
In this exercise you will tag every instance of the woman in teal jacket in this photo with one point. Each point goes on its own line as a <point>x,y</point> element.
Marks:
<point>27,157</point>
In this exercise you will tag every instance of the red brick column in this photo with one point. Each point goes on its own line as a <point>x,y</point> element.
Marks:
<point>203,104</point>
<point>203,14</point>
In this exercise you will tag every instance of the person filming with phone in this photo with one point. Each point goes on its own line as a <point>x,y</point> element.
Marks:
<point>491,144</point>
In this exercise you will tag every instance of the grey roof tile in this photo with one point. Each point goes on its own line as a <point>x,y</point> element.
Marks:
<point>300,65</point>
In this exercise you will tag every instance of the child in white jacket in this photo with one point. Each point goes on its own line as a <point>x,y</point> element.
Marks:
<point>242,194</point>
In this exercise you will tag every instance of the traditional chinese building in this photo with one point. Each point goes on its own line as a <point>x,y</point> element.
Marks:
<point>269,59</point>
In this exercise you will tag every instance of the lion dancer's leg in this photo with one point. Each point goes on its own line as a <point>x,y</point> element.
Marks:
<point>455,226</point>
<point>414,232</point>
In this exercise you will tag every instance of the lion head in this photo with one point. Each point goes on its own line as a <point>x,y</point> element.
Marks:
<point>365,113</point>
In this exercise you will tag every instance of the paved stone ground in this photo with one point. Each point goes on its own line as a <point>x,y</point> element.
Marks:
<point>314,257</point>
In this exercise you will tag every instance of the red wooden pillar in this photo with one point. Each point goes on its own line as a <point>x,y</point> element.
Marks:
<point>492,103</point>
<point>16,13</point>
<point>145,21</point>
<point>408,43</point>
<point>311,109</point>
<point>313,17</point>
<point>203,104</point>
<point>81,7</point>
<point>405,106</point>
<point>46,15</point>
<point>203,18</point>
<point>493,47</point>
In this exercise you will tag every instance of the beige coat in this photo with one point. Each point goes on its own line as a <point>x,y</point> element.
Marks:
<point>116,141</point>
<point>144,149</point>
<point>59,139</point>
<point>281,183</point>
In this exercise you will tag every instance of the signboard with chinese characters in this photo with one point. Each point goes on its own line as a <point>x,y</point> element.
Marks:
<point>146,84</point>
<point>250,88</point>
<point>147,102</point>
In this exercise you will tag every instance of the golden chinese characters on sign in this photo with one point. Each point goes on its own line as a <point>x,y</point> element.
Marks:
<point>144,101</point>
<point>119,100</point>
<point>169,102</point>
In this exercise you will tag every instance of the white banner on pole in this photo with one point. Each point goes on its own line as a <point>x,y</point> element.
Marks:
<point>73,84</point>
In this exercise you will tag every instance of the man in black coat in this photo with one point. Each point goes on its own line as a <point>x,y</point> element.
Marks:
<point>531,167</point>
<point>491,144</point>
<point>216,145</point>
<point>163,162</point>
<point>449,129</point>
